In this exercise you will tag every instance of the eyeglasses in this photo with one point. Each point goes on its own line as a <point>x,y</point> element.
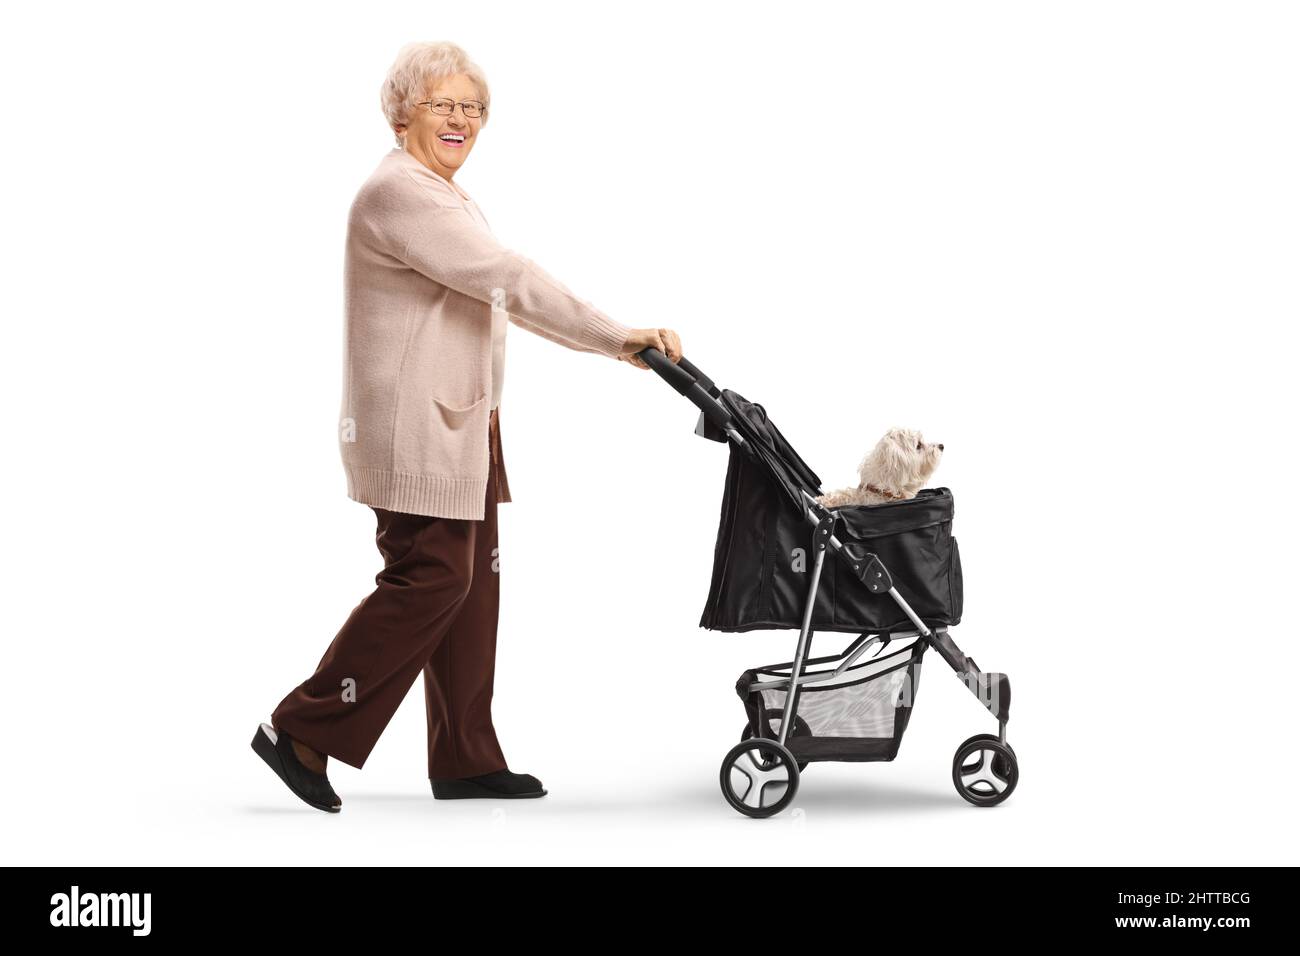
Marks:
<point>472,109</point>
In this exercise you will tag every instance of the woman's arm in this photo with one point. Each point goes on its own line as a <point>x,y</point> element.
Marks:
<point>438,238</point>
<point>558,339</point>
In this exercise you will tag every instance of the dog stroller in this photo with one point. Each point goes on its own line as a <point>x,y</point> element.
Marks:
<point>896,584</point>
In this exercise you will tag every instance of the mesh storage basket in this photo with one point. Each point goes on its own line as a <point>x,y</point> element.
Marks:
<point>858,715</point>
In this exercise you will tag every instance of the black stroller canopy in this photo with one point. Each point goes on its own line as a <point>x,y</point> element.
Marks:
<point>790,472</point>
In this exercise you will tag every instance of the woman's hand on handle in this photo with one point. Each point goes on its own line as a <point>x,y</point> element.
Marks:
<point>665,340</point>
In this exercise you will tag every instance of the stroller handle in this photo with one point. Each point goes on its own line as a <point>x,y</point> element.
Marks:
<point>688,380</point>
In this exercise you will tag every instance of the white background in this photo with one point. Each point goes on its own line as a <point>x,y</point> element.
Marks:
<point>1059,238</point>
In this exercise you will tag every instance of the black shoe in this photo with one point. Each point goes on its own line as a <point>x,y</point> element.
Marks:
<point>501,784</point>
<point>310,787</point>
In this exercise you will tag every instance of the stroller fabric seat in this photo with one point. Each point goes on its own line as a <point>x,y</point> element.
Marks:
<point>762,554</point>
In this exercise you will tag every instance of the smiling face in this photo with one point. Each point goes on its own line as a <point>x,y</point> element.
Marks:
<point>443,143</point>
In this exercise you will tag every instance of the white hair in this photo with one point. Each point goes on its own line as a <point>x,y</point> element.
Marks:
<point>416,67</point>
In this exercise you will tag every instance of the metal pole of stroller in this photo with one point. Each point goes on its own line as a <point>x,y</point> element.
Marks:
<point>801,649</point>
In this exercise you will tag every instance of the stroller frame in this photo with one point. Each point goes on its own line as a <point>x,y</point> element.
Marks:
<point>984,686</point>
<point>985,782</point>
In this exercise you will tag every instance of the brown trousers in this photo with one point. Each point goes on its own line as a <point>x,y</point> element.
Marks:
<point>434,609</point>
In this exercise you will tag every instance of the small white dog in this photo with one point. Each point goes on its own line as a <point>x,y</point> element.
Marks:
<point>896,469</point>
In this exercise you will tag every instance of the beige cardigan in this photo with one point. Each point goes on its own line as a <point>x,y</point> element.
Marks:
<point>427,293</point>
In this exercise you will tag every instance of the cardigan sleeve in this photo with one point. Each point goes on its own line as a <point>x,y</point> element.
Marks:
<point>558,340</point>
<point>439,239</point>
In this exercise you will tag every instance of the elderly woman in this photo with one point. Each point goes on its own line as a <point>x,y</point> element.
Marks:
<point>428,291</point>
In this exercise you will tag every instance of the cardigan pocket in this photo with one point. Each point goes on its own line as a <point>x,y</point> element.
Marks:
<point>456,438</point>
<point>453,412</point>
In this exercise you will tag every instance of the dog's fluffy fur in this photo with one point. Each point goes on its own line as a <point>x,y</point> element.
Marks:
<point>899,466</point>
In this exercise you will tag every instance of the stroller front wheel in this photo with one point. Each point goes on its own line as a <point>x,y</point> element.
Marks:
<point>759,777</point>
<point>999,763</point>
<point>984,770</point>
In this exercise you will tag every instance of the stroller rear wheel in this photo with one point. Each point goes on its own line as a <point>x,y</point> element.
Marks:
<point>800,728</point>
<point>759,777</point>
<point>984,770</point>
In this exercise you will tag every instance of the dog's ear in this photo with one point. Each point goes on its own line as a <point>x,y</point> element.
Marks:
<point>890,461</point>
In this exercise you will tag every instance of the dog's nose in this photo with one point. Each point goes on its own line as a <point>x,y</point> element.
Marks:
<point>941,446</point>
